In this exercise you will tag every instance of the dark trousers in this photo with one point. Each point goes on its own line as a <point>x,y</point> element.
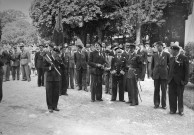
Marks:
<point>1,87</point>
<point>108,82</point>
<point>149,70</point>
<point>40,72</point>
<point>71,77</point>
<point>88,76</point>
<point>125,81</point>
<point>160,83</point>
<point>117,80</point>
<point>96,87</point>
<point>52,94</point>
<point>176,93</point>
<point>15,72</point>
<point>64,83</point>
<point>81,78</point>
<point>132,90</point>
<point>143,72</point>
<point>7,69</point>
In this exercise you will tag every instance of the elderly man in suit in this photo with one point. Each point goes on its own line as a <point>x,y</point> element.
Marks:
<point>96,62</point>
<point>15,57</point>
<point>159,66</point>
<point>81,59</point>
<point>177,79</point>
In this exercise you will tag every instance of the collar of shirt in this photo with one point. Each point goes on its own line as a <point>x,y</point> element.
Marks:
<point>160,53</point>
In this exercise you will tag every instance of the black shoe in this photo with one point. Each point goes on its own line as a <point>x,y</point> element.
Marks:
<point>50,110</point>
<point>164,108</point>
<point>106,92</point>
<point>85,89</point>
<point>24,79</point>
<point>122,100</point>
<point>181,113</point>
<point>39,86</point>
<point>92,100</point>
<point>128,102</point>
<point>156,106</point>
<point>66,94</point>
<point>79,88</point>
<point>56,109</point>
<point>132,104</point>
<point>112,100</point>
<point>171,112</point>
<point>72,87</point>
<point>100,100</point>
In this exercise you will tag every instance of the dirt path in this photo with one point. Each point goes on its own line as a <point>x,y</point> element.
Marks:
<point>23,111</point>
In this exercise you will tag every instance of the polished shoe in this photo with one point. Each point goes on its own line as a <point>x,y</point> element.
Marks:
<point>92,100</point>
<point>156,106</point>
<point>100,100</point>
<point>128,102</point>
<point>112,100</point>
<point>24,79</point>
<point>85,89</point>
<point>39,86</point>
<point>72,87</point>
<point>181,113</point>
<point>122,100</point>
<point>79,88</point>
<point>132,104</point>
<point>56,109</point>
<point>66,94</point>
<point>164,108</point>
<point>51,110</point>
<point>106,92</point>
<point>171,112</point>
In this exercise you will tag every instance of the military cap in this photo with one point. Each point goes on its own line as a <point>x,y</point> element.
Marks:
<point>80,46</point>
<point>56,49</point>
<point>99,44</point>
<point>175,47</point>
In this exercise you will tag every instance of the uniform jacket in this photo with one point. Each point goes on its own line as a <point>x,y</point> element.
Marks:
<point>52,74</point>
<point>134,65</point>
<point>38,60</point>
<point>118,65</point>
<point>96,58</point>
<point>160,65</point>
<point>15,57</point>
<point>179,70</point>
<point>6,57</point>
<point>25,57</point>
<point>65,59</point>
<point>81,60</point>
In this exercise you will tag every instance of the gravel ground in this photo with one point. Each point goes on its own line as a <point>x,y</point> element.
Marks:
<point>23,111</point>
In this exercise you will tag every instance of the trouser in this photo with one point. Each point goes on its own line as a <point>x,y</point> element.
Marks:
<point>75,76</point>
<point>15,72</point>
<point>81,78</point>
<point>64,83</point>
<point>25,72</point>
<point>125,81</point>
<point>96,87</point>
<point>132,90</point>
<point>45,74</point>
<point>40,72</point>
<point>6,69</point>
<point>160,83</point>
<point>108,82</point>
<point>88,76</point>
<point>117,80</point>
<point>71,77</point>
<point>149,70</point>
<point>176,93</point>
<point>1,87</point>
<point>52,94</point>
<point>143,72</point>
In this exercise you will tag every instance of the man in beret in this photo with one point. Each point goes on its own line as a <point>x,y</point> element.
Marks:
<point>15,57</point>
<point>118,66</point>
<point>96,63</point>
<point>159,67</point>
<point>25,61</point>
<point>81,59</point>
<point>38,61</point>
<point>178,77</point>
<point>134,73</point>
<point>51,62</point>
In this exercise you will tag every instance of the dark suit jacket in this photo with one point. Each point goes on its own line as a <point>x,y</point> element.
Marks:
<point>1,66</point>
<point>65,60</point>
<point>95,59</point>
<point>160,65</point>
<point>179,70</point>
<point>52,74</point>
<point>81,60</point>
<point>6,57</point>
<point>38,60</point>
<point>118,65</point>
<point>15,57</point>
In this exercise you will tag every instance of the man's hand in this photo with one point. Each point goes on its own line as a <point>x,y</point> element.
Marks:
<point>122,72</point>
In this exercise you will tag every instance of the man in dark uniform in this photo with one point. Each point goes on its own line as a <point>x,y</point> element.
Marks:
<point>177,79</point>
<point>38,61</point>
<point>52,79</point>
<point>159,66</point>
<point>142,52</point>
<point>134,73</point>
<point>118,66</point>
<point>81,59</point>
<point>15,57</point>
<point>64,83</point>
<point>96,62</point>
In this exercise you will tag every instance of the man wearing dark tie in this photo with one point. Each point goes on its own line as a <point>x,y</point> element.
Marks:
<point>177,79</point>
<point>159,66</point>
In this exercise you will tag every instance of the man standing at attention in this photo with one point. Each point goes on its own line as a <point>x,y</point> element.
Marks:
<point>160,63</point>
<point>177,79</point>
<point>38,60</point>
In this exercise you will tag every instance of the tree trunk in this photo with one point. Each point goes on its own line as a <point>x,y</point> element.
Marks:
<point>138,33</point>
<point>99,32</point>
